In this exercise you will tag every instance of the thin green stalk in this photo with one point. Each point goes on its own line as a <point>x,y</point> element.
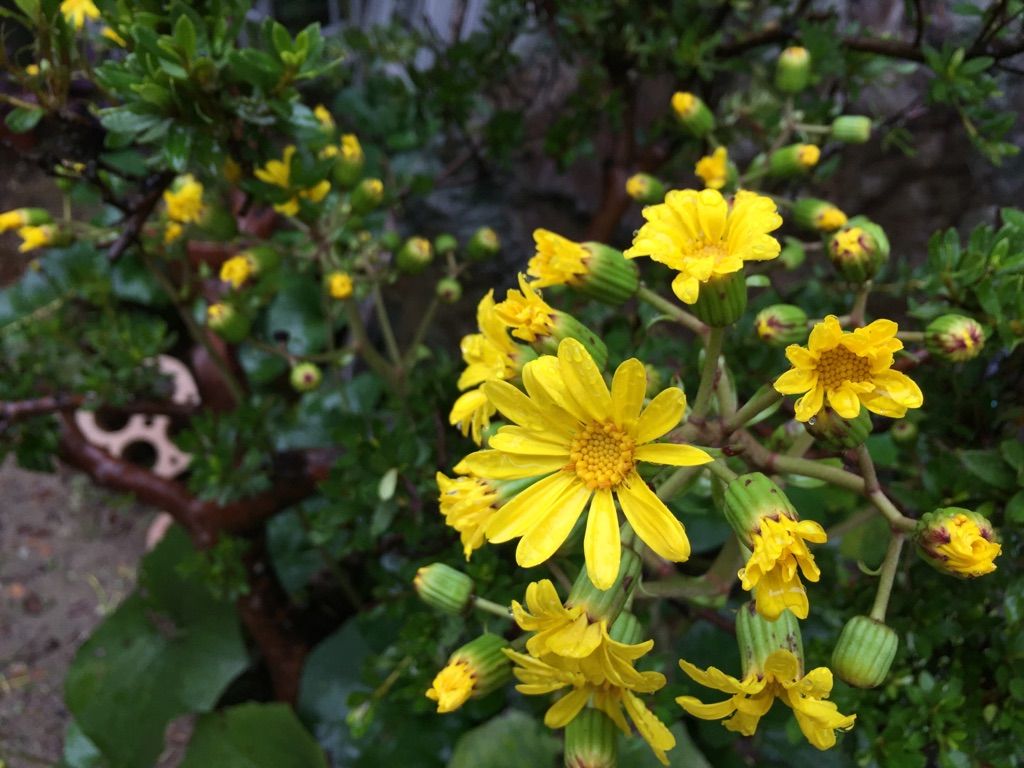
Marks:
<point>914,337</point>
<point>887,576</point>
<point>366,350</point>
<point>421,330</point>
<point>488,606</point>
<point>763,399</point>
<point>712,350</point>
<point>666,307</point>
<point>676,482</point>
<point>385,326</point>
<point>720,470</point>
<point>874,493</point>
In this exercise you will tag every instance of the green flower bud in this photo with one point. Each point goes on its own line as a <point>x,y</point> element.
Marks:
<point>903,432</point>
<point>864,653</point>
<point>722,299</point>
<point>851,129</point>
<point>590,741</point>
<point>781,324</point>
<point>751,497</point>
<point>305,377</point>
<point>794,160</point>
<point>693,114</point>
<point>227,322</point>
<point>349,162</point>
<point>473,671</point>
<point>838,433</point>
<point>759,638</point>
<point>954,337</point>
<point>449,290</point>
<point>367,196</point>
<point>565,326</point>
<point>645,189</point>
<point>445,244</point>
<point>414,255</point>
<point>606,604</point>
<point>958,542</point>
<point>655,380</point>
<point>793,70</point>
<point>390,240</point>
<point>817,215</point>
<point>442,587</point>
<point>483,244</point>
<point>610,277</point>
<point>859,249</point>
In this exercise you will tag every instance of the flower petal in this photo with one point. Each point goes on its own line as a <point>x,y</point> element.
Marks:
<point>656,526</point>
<point>601,544</point>
<point>512,439</point>
<point>796,381</point>
<point>513,404</point>
<point>661,415</point>
<point>844,401</point>
<point>807,407</point>
<point>628,388</point>
<point>553,526</point>
<point>706,711</point>
<point>674,454</point>
<point>562,712</point>
<point>530,506</point>
<point>496,465</point>
<point>584,380</point>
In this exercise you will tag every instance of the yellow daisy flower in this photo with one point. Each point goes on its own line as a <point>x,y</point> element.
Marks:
<point>468,504</point>
<point>317,192</point>
<point>184,200</point>
<point>779,550</point>
<point>172,232</point>
<point>587,441</point>
<point>526,313</point>
<point>236,270</point>
<point>33,237</point>
<point>567,632</point>
<point>339,285</point>
<point>75,12</point>
<point>702,236</point>
<point>714,168</point>
<point>351,149</point>
<point>452,687</point>
<point>752,697</point>
<point>278,172</point>
<point>850,369</point>
<point>324,117</point>
<point>554,673</point>
<point>558,261</point>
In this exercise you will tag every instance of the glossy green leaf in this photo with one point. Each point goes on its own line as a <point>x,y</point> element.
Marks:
<point>253,736</point>
<point>512,740</point>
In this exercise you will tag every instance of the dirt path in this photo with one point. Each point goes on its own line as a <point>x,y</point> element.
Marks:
<point>68,556</point>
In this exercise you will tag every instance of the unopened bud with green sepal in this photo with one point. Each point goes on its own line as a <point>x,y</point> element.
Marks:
<point>781,325</point>
<point>954,337</point>
<point>818,215</point>
<point>722,300</point>
<point>305,377</point>
<point>837,432</point>
<point>693,114</point>
<point>957,541</point>
<point>448,290</point>
<point>794,160</point>
<point>367,196</point>
<point>859,250</point>
<point>793,69</point>
<point>483,244</point>
<point>606,604</point>
<point>414,255</point>
<point>851,129</point>
<point>590,741</point>
<point>758,638</point>
<point>752,497</point>
<point>645,189</point>
<point>610,278</point>
<point>227,322</point>
<point>865,652</point>
<point>445,244</point>
<point>442,587</point>
<point>473,671</point>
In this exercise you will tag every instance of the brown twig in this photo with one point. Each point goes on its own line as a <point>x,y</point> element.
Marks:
<point>133,223</point>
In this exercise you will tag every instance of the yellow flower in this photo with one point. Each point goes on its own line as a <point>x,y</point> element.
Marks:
<point>468,504</point>
<point>316,193</point>
<point>185,200</point>
<point>525,312</point>
<point>324,117</point>
<point>702,236</point>
<point>490,354</point>
<point>339,285</point>
<point>329,151</point>
<point>830,219</point>
<point>554,673</point>
<point>779,549</point>
<point>32,70</point>
<point>966,551</point>
<point>563,631</point>
<point>587,441</point>
<point>637,185</point>
<point>236,270</point>
<point>278,172</point>
<point>216,312</point>
<point>850,369</point>
<point>9,220</point>
<point>452,686</point>
<point>558,261</point>
<point>685,104</point>
<point>76,11</point>
<point>808,155</point>
<point>113,37</point>
<point>847,244</point>
<point>714,168</point>
<point>34,237</point>
<point>753,696</point>
<point>288,208</point>
<point>172,232</point>
<point>351,148</point>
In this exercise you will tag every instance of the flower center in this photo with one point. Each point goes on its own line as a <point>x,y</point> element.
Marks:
<point>840,365</point>
<point>601,454</point>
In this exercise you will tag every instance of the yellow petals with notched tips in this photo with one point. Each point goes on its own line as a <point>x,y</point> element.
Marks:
<point>588,441</point>
<point>558,261</point>
<point>452,686</point>
<point>468,504</point>
<point>702,235</point>
<point>526,313</point>
<point>849,369</point>
<point>753,696</point>
<point>563,631</point>
<point>779,555</point>
<point>714,168</point>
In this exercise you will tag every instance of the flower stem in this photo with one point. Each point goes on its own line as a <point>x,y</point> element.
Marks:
<point>888,575</point>
<point>663,305</point>
<point>720,470</point>
<point>860,305</point>
<point>712,350</point>
<point>366,350</point>
<point>676,482</point>
<point>385,326</point>
<point>409,358</point>
<point>915,337</point>
<point>874,493</point>
<point>488,606</point>
<point>763,399</point>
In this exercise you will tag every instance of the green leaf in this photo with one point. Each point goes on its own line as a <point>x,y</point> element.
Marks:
<point>185,36</point>
<point>512,740</point>
<point>1015,508</point>
<point>635,752</point>
<point>123,120</point>
<point>253,736</point>
<point>24,119</point>
<point>168,650</point>
<point>989,467</point>
<point>297,309</point>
